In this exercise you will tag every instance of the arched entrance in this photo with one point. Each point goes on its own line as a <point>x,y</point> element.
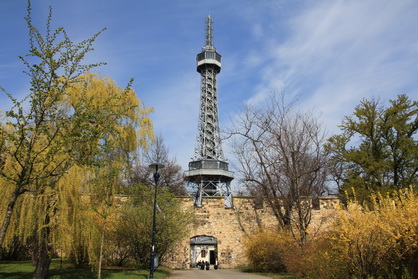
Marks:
<point>203,249</point>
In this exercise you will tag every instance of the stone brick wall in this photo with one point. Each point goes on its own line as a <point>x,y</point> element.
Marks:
<point>230,226</point>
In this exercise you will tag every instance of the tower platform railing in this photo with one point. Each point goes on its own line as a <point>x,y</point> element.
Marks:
<point>208,164</point>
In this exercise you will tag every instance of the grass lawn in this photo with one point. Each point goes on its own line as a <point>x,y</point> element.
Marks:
<point>24,269</point>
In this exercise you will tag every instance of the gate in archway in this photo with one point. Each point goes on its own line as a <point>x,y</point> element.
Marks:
<point>203,249</point>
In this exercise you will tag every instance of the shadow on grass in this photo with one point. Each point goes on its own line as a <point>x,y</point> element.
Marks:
<point>73,273</point>
<point>123,274</point>
<point>57,273</point>
<point>23,270</point>
<point>16,275</point>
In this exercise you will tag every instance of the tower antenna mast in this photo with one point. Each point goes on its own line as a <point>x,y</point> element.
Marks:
<point>209,34</point>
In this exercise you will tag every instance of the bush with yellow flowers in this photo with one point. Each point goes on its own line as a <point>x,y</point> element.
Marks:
<point>380,241</point>
<point>265,251</point>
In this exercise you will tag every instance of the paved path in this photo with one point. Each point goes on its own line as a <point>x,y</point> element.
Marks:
<point>213,274</point>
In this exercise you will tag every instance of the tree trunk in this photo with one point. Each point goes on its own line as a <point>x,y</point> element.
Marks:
<point>44,260</point>
<point>35,246</point>
<point>42,250</point>
<point>9,212</point>
<point>99,272</point>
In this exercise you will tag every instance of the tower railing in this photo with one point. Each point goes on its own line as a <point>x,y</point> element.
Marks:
<point>208,164</point>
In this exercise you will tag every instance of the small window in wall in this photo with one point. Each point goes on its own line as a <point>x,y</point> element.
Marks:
<point>203,254</point>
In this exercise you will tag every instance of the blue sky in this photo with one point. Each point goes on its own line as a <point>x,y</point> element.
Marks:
<point>329,53</point>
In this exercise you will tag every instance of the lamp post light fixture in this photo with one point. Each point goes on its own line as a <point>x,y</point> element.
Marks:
<point>155,167</point>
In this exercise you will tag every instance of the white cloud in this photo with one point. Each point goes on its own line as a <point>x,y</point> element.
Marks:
<point>338,52</point>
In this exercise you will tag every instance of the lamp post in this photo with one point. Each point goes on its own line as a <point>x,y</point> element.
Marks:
<point>155,167</point>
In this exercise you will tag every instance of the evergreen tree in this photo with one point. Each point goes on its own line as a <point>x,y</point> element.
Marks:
<point>377,150</point>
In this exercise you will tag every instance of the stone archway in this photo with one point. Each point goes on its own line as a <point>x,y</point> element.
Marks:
<point>203,248</point>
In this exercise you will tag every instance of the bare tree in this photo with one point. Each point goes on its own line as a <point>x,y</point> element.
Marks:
<point>280,159</point>
<point>171,175</point>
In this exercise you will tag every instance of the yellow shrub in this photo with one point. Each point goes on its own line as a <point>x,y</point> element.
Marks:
<point>316,259</point>
<point>265,251</point>
<point>365,243</point>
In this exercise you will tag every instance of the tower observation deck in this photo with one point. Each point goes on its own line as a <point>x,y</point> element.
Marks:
<point>208,173</point>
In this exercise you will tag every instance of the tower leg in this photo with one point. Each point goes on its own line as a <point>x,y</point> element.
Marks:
<point>198,197</point>
<point>228,201</point>
<point>228,197</point>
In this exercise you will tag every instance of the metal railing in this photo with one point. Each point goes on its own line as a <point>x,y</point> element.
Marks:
<point>208,164</point>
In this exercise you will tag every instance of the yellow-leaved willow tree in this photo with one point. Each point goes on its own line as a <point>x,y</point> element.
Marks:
<point>126,127</point>
<point>108,125</point>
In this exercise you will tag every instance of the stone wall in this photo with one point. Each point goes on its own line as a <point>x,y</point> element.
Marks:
<point>230,226</point>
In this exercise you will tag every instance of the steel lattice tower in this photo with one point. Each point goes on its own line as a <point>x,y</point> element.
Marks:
<point>208,173</point>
